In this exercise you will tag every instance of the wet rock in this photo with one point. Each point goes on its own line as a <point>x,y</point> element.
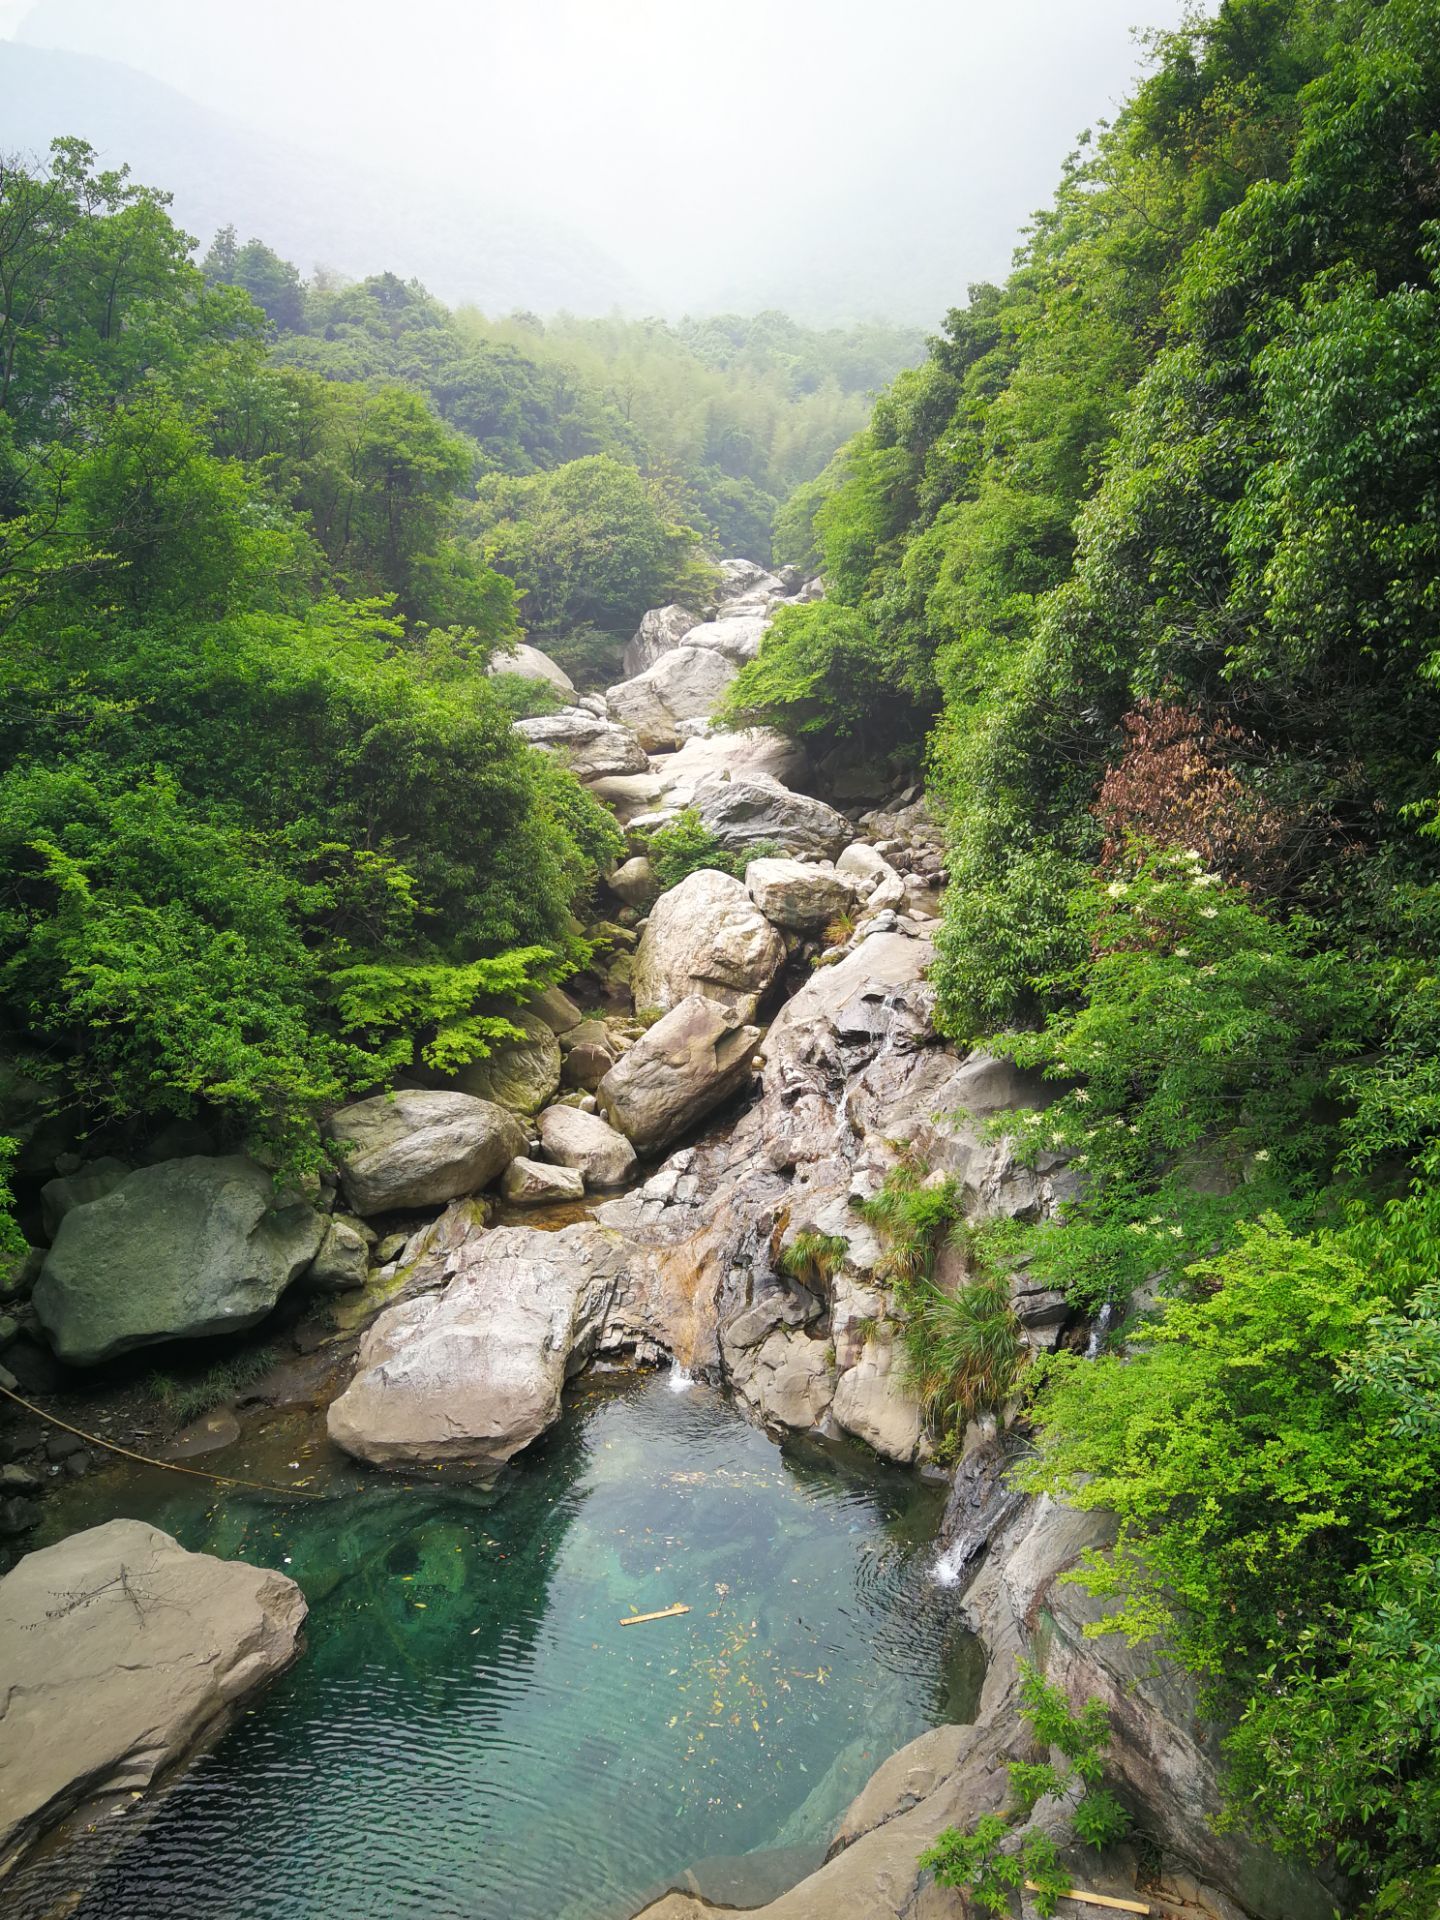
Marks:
<point>687,683</point>
<point>536,1183</point>
<point>343,1260</point>
<point>182,1250</point>
<point>529,663</point>
<point>17,1516</point>
<point>119,1653</point>
<point>798,895</point>
<point>417,1149</point>
<point>683,1068</point>
<point>754,811</point>
<point>15,1479</point>
<point>706,936</point>
<point>473,1372</point>
<point>584,1142</point>
<point>593,747</point>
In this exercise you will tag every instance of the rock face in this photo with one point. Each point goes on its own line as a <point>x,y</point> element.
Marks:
<point>594,748</point>
<point>706,936</point>
<point>797,895</point>
<point>736,635</point>
<point>520,1075</point>
<point>752,810</point>
<point>180,1250</point>
<point>659,630</point>
<point>584,1142</point>
<point>685,684</point>
<point>683,1068</point>
<point>529,663</point>
<point>420,1149</point>
<point>119,1653</point>
<point>473,1373</point>
<point>752,752</point>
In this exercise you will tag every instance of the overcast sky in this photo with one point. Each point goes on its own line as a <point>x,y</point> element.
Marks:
<point>689,138</point>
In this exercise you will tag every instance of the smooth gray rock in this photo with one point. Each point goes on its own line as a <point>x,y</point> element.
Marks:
<point>747,752</point>
<point>182,1250</point>
<point>67,1190</point>
<point>659,630</point>
<point>687,683</point>
<point>593,748</point>
<point>634,882</point>
<point>799,895</point>
<point>419,1149</point>
<point>535,1183</point>
<point>584,1142</point>
<point>736,635</point>
<point>343,1260</point>
<point>696,1057</point>
<point>529,663</point>
<point>119,1653</point>
<point>474,1372</point>
<point>706,936</point>
<point>753,810</point>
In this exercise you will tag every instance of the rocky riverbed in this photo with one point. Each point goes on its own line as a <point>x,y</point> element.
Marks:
<point>626,1181</point>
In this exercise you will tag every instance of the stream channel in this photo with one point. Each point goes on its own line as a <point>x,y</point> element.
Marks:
<point>470,1734</point>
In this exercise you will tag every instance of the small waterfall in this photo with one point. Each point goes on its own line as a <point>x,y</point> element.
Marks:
<point>1104,1321</point>
<point>680,1379</point>
<point>949,1565</point>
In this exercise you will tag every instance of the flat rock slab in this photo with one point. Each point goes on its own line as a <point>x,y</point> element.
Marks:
<point>119,1653</point>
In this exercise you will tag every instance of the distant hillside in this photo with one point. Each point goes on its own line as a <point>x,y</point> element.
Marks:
<point>309,206</point>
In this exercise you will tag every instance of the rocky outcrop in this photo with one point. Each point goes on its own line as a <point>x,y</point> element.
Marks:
<point>119,1654</point>
<point>419,1149</point>
<point>753,811</point>
<point>474,1372</point>
<point>687,683</point>
<point>801,896</point>
<point>706,936</point>
<point>592,747</point>
<point>529,663</point>
<point>747,580</point>
<point>683,1068</point>
<point>752,753</point>
<point>659,630</point>
<point>736,635</point>
<point>178,1251</point>
<point>587,1144</point>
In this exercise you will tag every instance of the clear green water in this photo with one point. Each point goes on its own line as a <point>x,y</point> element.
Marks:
<point>470,1734</point>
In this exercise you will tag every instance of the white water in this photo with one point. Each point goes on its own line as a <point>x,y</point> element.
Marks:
<point>680,1379</point>
<point>948,1566</point>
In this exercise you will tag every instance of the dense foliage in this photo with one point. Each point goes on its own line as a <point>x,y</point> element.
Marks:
<point>1147,550</point>
<point>265,828</point>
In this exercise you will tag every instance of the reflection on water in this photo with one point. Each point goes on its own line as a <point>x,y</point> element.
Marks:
<point>470,1734</point>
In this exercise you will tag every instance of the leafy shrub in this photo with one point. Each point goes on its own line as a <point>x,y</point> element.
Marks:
<point>685,844</point>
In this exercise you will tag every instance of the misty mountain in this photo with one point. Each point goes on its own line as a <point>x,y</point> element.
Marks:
<point>310,206</point>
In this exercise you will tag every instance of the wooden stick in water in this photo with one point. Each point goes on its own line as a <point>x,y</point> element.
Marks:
<point>665,1613</point>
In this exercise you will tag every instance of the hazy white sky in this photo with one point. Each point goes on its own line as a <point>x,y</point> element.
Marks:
<point>676,133</point>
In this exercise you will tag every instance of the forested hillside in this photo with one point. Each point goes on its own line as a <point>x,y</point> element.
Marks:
<point>1147,552</point>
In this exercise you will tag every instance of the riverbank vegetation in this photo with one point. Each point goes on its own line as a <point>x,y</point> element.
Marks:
<point>1146,551</point>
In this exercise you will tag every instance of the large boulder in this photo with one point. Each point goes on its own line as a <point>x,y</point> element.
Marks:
<point>659,630</point>
<point>747,580</point>
<point>751,810</point>
<point>520,1074</point>
<point>684,1067</point>
<point>687,683</point>
<point>529,663</point>
<point>473,1373</point>
<point>736,635</point>
<point>798,895</point>
<point>592,747</point>
<point>180,1250</point>
<point>67,1190</point>
<point>635,883</point>
<point>706,936</point>
<point>752,750</point>
<point>419,1149</point>
<point>119,1653</point>
<point>343,1262</point>
<point>589,1145</point>
<point>872,1403</point>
